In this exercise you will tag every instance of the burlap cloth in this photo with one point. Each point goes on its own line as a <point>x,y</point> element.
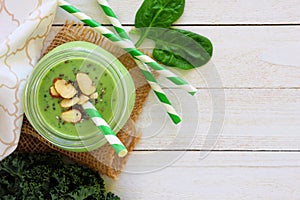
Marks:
<point>104,159</point>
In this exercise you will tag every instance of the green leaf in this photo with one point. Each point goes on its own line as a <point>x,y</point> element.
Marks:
<point>111,196</point>
<point>83,193</point>
<point>46,176</point>
<point>180,48</point>
<point>157,13</point>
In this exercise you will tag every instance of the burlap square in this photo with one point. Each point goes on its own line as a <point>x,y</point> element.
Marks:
<point>104,159</point>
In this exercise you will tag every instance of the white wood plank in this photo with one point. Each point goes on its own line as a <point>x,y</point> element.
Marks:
<point>203,12</point>
<point>254,119</point>
<point>248,57</point>
<point>221,175</point>
<point>241,57</point>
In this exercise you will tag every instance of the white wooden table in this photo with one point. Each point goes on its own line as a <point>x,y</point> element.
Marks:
<point>256,155</point>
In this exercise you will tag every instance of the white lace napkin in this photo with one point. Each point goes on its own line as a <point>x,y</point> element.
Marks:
<point>24,26</point>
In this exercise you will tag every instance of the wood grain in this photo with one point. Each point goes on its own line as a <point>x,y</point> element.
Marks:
<point>203,12</point>
<point>237,59</point>
<point>256,119</point>
<point>226,176</point>
<point>256,67</point>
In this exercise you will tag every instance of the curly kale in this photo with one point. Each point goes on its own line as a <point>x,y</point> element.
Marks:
<point>47,176</point>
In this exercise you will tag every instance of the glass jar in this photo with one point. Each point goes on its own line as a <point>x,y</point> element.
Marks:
<point>115,89</point>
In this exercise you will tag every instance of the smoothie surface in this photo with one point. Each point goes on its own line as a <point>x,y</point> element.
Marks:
<point>49,106</point>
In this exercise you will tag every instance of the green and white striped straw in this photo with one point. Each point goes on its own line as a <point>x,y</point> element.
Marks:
<point>112,17</point>
<point>108,133</point>
<point>127,46</point>
<point>160,94</point>
<point>162,97</point>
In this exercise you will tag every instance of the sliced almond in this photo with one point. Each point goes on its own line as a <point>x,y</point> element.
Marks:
<point>85,83</point>
<point>53,92</point>
<point>83,99</point>
<point>56,79</point>
<point>95,95</point>
<point>67,103</point>
<point>65,89</point>
<point>72,116</point>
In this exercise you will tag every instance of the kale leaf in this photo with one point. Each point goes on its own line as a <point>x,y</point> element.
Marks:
<point>47,176</point>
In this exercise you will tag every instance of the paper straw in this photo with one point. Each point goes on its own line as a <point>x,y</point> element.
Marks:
<point>127,46</point>
<point>160,94</point>
<point>113,19</point>
<point>108,133</point>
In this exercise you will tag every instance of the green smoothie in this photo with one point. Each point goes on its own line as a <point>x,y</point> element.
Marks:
<point>67,73</point>
<point>51,110</point>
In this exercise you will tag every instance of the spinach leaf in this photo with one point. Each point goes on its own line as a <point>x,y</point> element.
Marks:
<point>180,48</point>
<point>158,13</point>
<point>173,47</point>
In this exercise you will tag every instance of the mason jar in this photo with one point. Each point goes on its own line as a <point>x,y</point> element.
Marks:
<point>114,87</point>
